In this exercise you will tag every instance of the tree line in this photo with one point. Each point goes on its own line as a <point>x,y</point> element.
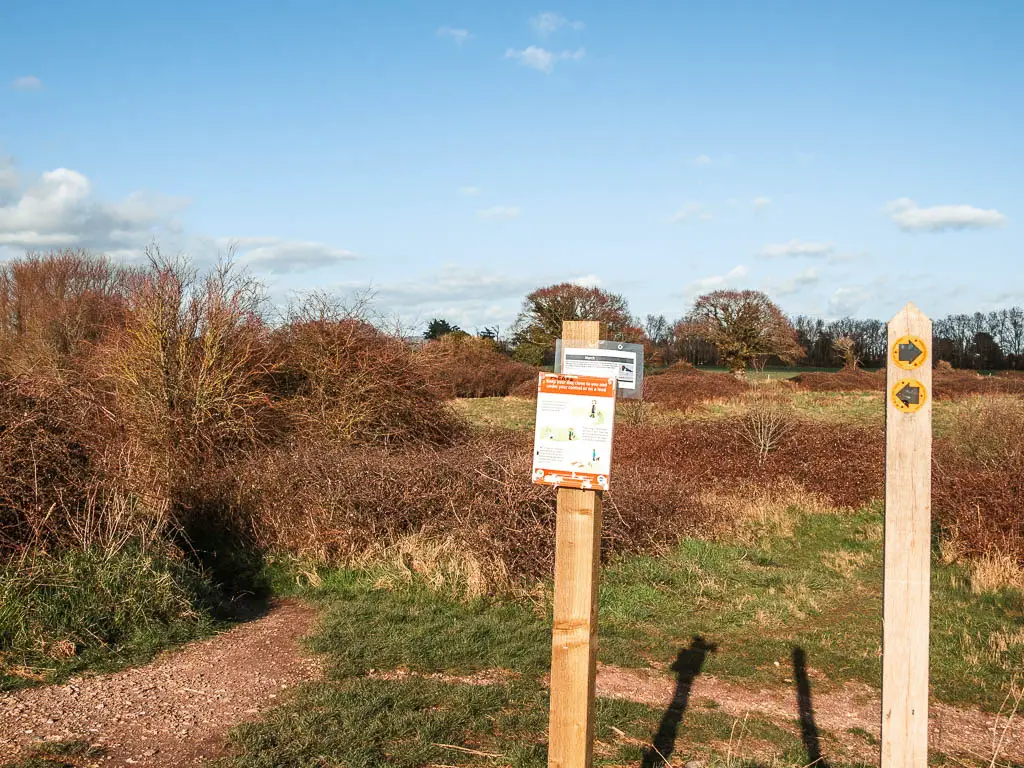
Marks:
<point>737,328</point>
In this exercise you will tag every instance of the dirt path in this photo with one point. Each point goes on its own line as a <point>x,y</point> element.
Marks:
<point>953,731</point>
<point>175,711</point>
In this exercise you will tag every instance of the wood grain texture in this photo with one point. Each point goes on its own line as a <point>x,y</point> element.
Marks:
<point>905,610</point>
<point>574,634</point>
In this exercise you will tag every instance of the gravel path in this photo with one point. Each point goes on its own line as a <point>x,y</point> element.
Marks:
<point>175,711</point>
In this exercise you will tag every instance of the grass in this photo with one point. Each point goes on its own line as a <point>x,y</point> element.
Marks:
<point>60,754</point>
<point>405,681</point>
<point>84,609</point>
<point>819,590</point>
<point>865,409</point>
<point>856,408</point>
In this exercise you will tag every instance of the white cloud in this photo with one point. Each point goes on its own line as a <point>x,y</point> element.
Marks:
<point>846,301</point>
<point>500,212</point>
<point>691,212</point>
<point>9,178</point>
<point>808,277</point>
<point>278,257</point>
<point>797,248</point>
<point>761,203</point>
<point>548,23</point>
<point>27,83</point>
<point>542,59</point>
<point>588,281</point>
<point>716,282</point>
<point>910,217</point>
<point>60,210</point>
<point>450,284</point>
<point>702,160</point>
<point>469,191</point>
<point>458,35</point>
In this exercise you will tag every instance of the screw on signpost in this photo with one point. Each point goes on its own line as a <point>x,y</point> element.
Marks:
<point>905,617</point>
<point>574,636</point>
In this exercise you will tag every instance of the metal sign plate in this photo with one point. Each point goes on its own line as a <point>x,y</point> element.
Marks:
<point>615,359</point>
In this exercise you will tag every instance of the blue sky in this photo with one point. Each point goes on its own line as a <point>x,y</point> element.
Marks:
<point>844,157</point>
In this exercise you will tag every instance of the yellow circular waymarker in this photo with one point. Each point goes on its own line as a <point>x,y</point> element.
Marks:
<point>909,352</point>
<point>909,395</point>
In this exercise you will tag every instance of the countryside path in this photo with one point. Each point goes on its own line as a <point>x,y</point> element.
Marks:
<point>175,711</point>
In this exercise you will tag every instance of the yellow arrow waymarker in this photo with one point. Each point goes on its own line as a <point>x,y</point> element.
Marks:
<point>909,352</point>
<point>909,395</point>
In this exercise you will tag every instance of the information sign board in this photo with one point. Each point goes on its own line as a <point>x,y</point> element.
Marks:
<point>572,443</point>
<point>620,359</point>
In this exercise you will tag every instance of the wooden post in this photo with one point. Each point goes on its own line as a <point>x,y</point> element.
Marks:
<point>574,635</point>
<point>908,472</point>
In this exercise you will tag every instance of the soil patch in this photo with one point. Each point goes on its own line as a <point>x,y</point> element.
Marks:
<point>953,731</point>
<point>175,711</point>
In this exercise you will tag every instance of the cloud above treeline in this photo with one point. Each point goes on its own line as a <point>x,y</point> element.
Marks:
<point>60,209</point>
<point>910,217</point>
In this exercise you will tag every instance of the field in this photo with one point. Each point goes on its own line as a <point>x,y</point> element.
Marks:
<point>382,489</point>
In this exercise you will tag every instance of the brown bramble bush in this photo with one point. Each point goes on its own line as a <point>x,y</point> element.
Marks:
<point>465,366</point>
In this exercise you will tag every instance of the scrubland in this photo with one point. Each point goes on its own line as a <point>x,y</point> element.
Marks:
<point>169,451</point>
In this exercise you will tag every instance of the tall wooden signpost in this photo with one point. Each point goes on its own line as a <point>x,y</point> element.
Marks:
<point>574,637</point>
<point>908,472</point>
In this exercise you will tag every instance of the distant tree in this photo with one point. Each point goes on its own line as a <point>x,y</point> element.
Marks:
<point>545,309</point>
<point>743,325</point>
<point>489,333</point>
<point>845,348</point>
<point>439,327</point>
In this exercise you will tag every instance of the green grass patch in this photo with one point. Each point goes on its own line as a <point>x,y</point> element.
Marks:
<point>400,660</point>
<point>818,590</point>
<point>79,609</point>
<point>59,754</point>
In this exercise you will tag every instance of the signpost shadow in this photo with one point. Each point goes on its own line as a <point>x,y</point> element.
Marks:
<point>687,666</point>
<point>808,727</point>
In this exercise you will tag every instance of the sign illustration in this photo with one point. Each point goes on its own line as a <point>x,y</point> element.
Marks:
<point>909,395</point>
<point>572,442</point>
<point>909,352</point>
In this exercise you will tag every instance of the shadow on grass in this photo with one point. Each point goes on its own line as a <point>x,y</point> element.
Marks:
<point>687,666</point>
<point>808,727</point>
<point>215,538</point>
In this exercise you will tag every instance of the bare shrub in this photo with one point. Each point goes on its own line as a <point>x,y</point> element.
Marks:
<point>465,366</point>
<point>188,371</point>
<point>845,349</point>
<point>54,307</point>
<point>468,513</point>
<point>767,421</point>
<point>43,466</point>
<point>683,387</point>
<point>979,479</point>
<point>846,380</point>
<point>340,379</point>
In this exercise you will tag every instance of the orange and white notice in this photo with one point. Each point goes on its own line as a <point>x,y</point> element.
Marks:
<point>572,444</point>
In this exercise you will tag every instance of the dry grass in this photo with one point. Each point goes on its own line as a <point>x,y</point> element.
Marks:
<point>979,480</point>
<point>751,512</point>
<point>443,562</point>
<point>995,571</point>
